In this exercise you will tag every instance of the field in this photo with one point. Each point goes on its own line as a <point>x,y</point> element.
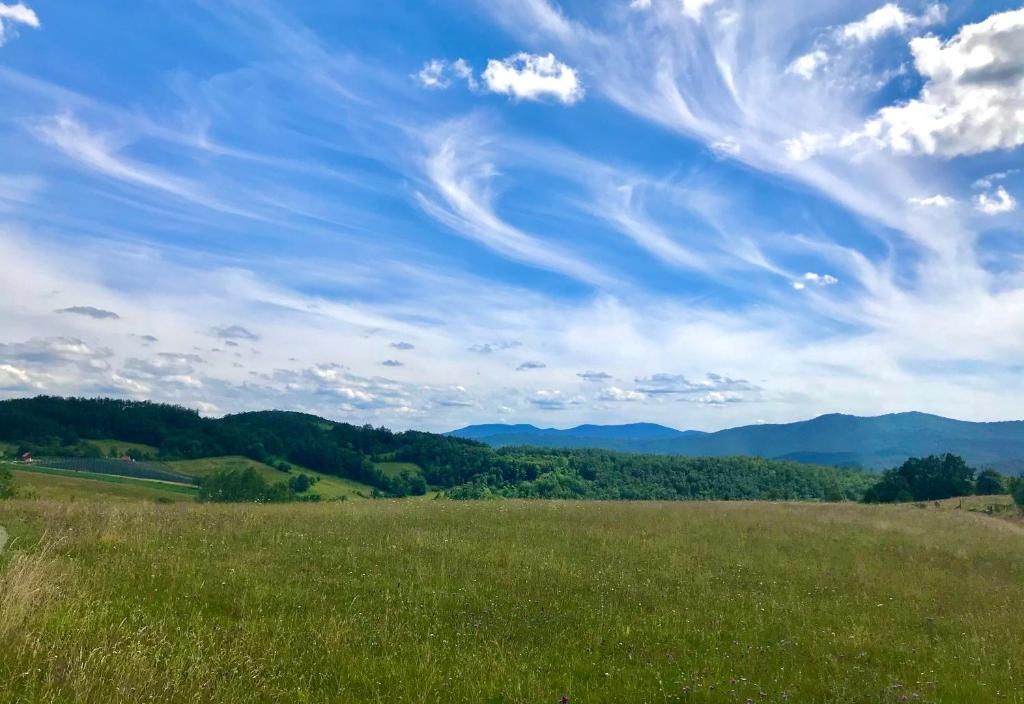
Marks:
<point>440,601</point>
<point>62,485</point>
<point>328,487</point>
<point>105,446</point>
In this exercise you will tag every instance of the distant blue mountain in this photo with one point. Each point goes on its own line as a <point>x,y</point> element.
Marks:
<point>611,437</point>
<point>836,439</point>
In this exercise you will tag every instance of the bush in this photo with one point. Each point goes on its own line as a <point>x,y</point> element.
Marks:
<point>243,486</point>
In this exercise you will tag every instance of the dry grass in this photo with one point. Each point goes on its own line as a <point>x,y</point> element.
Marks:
<point>512,602</point>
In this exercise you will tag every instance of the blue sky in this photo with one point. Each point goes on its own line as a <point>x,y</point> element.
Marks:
<point>703,213</point>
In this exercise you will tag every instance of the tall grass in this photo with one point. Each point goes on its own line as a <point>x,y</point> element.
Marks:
<point>510,602</point>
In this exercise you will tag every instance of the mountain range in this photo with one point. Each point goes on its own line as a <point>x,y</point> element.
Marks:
<point>873,443</point>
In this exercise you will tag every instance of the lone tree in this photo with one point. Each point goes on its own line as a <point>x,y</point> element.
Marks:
<point>990,482</point>
<point>1018,492</point>
<point>924,479</point>
<point>6,483</point>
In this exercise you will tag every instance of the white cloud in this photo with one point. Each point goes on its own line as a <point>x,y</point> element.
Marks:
<point>987,181</point>
<point>533,77</point>
<point>727,146</point>
<point>437,74</point>
<point>15,378</point>
<point>973,97</point>
<point>462,69</point>
<point>808,64</point>
<point>432,74</point>
<point>816,279</point>
<point>936,201</point>
<point>614,394</point>
<point>695,8</point>
<point>15,14</point>
<point>996,203</point>
<point>720,398</point>
<point>640,4</point>
<point>805,145</point>
<point>890,18</point>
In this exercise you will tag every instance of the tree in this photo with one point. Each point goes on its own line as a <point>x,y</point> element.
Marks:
<point>1018,492</point>
<point>990,482</point>
<point>6,483</point>
<point>300,483</point>
<point>924,479</point>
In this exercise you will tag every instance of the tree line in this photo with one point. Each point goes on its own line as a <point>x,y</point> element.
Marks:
<point>461,468</point>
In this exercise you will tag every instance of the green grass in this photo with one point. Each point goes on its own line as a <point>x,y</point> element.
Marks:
<point>328,488</point>
<point>396,601</point>
<point>64,485</point>
<point>106,445</point>
<point>393,469</point>
<point>7,449</point>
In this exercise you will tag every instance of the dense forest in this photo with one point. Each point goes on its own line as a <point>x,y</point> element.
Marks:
<point>463,469</point>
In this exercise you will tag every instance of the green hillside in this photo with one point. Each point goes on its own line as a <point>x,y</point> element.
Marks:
<point>63,485</point>
<point>351,460</point>
<point>326,487</point>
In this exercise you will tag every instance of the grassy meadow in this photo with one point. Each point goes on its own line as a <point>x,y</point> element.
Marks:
<point>441,601</point>
<point>67,485</point>
<point>327,487</point>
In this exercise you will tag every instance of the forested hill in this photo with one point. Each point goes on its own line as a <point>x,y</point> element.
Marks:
<point>463,468</point>
<point>836,439</point>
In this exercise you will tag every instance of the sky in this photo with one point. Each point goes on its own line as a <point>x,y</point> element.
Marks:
<point>431,213</point>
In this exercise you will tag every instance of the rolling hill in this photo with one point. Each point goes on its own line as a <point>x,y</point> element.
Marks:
<point>841,440</point>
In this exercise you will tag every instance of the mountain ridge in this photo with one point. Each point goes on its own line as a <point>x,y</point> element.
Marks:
<point>871,442</point>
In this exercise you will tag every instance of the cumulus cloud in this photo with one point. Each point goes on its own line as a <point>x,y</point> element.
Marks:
<point>720,398</point>
<point>167,367</point>
<point>392,363</point>
<point>805,145</point>
<point>807,65</point>
<point>533,77</point>
<point>11,15</point>
<point>812,278</point>
<point>594,376</point>
<point>45,354</point>
<point>890,18</point>
<point>432,75</point>
<point>670,384</point>
<point>234,332</point>
<point>996,203</point>
<point>614,394</point>
<point>640,4</point>
<point>936,201</point>
<point>526,366</point>
<point>553,400</point>
<point>438,74</point>
<point>90,312</point>
<point>972,100</point>
<point>404,346</point>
